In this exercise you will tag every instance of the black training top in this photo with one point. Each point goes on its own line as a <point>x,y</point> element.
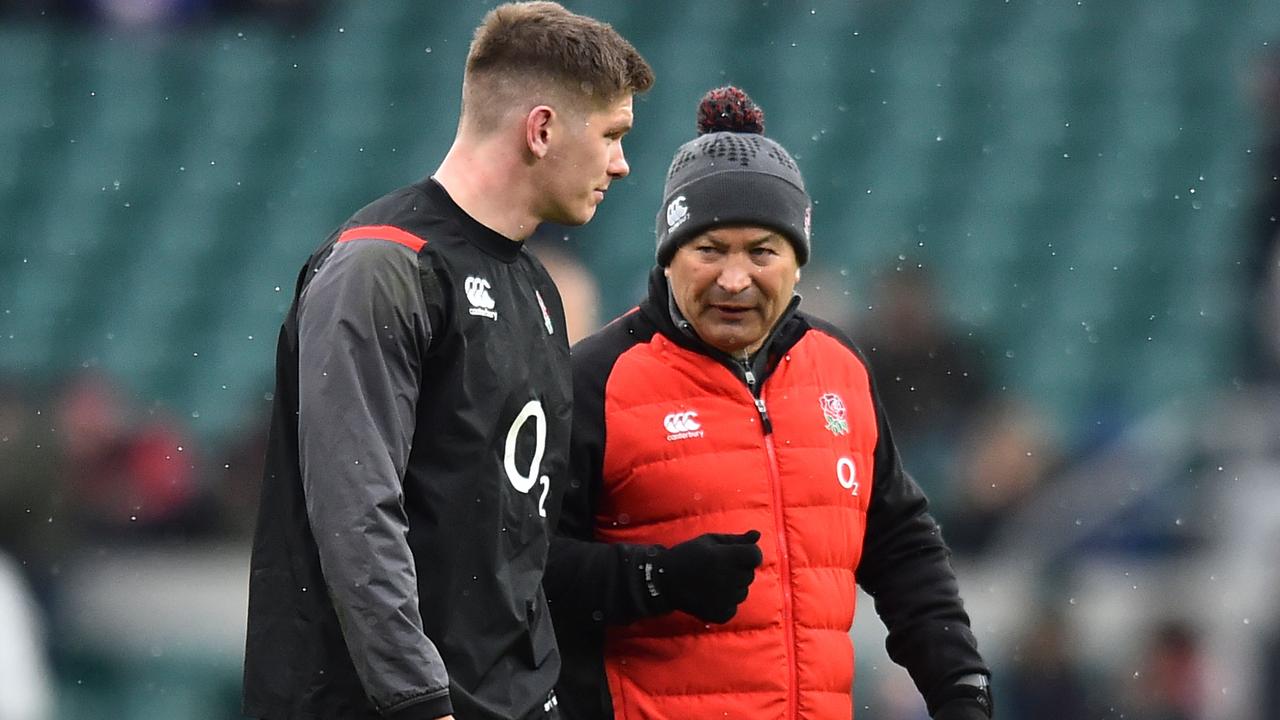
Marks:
<point>418,440</point>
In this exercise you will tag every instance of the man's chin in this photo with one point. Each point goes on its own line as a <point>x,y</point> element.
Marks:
<point>729,343</point>
<point>580,218</point>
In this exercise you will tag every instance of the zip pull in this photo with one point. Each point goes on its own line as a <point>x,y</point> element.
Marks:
<point>751,384</point>
<point>764,416</point>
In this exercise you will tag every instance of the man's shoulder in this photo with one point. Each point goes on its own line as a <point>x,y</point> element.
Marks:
<point>617,335</point>
<point>596,353</point>
<point>812,324</point>
<point>410,211</point>
<point>397,207</point>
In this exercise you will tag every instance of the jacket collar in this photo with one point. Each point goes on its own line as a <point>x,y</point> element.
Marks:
<point>660,308</point>
<point>488,240</point>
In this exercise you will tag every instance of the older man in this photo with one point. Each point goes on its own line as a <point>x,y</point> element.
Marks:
<point>733,478</point>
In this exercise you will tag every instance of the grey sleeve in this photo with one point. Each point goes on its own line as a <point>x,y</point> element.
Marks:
<point>362,332</point>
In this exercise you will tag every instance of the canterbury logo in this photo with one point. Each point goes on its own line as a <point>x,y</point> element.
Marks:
<point>682,425</point>
<point>677,213</point>
<point>477,290</point>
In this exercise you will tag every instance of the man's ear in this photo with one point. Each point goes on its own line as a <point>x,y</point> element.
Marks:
<point>797,274</point>
<point>538,129</point>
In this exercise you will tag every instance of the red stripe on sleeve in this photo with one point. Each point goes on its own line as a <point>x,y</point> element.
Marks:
<point>383,232</point>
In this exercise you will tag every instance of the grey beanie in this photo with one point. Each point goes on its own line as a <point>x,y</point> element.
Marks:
<point>731,174</point>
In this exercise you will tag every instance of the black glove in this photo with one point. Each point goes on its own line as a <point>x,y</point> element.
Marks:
<point>962,709</point>
<point>707,576</point>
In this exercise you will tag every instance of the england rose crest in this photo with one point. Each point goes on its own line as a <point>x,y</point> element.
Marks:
<point>834,412</point>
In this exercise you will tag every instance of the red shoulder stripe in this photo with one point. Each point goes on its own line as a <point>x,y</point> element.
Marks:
<point>383,232</point>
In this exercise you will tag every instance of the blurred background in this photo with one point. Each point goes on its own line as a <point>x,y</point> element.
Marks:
<point>1052,224</point>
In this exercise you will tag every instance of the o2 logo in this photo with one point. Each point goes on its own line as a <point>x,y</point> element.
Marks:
<point>847,475</point>
<point>524,481</point>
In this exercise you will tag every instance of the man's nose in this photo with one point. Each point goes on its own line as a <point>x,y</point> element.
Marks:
<point>734,276</point>
<point>618,167</point>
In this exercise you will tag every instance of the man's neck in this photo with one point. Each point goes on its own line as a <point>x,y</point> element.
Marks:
<point>488,184</point>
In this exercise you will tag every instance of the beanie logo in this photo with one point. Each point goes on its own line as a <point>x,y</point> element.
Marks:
<point>808,221</point>
<point>677,213</point>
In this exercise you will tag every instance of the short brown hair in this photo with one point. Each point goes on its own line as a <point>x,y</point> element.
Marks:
<point>541,46</point>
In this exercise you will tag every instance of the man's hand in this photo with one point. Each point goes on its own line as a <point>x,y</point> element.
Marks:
<point>962,710</point>
<point>707,576</point>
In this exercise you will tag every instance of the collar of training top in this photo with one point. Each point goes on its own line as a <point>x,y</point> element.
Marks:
<point>488,240</point>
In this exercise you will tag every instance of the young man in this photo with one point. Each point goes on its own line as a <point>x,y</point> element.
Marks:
<point>733,478</point>
<point>422,405</point>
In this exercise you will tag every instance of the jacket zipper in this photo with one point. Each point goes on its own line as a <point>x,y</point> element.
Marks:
<point>784,553</point>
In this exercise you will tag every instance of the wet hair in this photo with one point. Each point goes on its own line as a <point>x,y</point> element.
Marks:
<point>539,52</point>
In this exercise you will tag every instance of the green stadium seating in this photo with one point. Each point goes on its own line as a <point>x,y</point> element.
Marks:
<point>162,187</point>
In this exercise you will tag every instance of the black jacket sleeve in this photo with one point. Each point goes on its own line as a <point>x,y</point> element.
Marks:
<point>590,584</point>
<point>362,331</point>
<point>906,568</point>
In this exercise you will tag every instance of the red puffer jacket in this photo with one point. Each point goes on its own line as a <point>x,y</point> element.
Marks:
<point>786,653</point>
<point>672,440</point>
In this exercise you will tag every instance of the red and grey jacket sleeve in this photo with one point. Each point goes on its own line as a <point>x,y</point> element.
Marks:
<point>906,569</point>
<point>363,329</point>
